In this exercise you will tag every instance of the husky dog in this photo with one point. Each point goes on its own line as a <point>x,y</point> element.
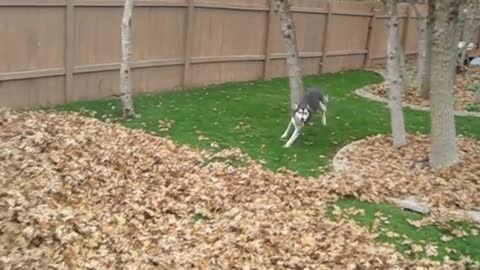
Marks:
<point>313,101</point>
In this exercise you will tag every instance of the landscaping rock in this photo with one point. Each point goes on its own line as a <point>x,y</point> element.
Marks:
<point>412,204</point>
<point>474,215</point>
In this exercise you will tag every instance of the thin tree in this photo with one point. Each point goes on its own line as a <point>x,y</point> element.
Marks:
<point>425,85</point>
<point>401,57</point>
<point>293,59</point>
<point>125,78</point>
<point>421,25</point>
<point>468,28</point>
<point>395,82</point>
<point>444,151</point>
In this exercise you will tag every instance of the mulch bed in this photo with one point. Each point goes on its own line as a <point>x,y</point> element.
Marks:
<point>81,194</point>
<point>464,96</point>
<point>376,170</point>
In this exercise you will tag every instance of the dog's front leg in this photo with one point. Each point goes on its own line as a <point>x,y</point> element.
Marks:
<point>287,131</point>
<point>296,133</point>
<point>324,112</point>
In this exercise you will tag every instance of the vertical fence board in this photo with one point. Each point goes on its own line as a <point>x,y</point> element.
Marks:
<point>268,39</point>
<point>69,46</point>
<point>188,41</point>
<point>370,38</point>
<point>326,32</point>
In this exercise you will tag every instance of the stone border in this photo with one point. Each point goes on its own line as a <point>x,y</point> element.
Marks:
<point>411,203</point>
<point>362,92</point>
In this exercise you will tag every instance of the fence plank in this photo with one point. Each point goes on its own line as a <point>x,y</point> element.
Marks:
<point>69,48</point>
<point>31,74</point>
<point>326,32</point>
<point>268,40</point>
<point>370,38</point>
<point>188,42</point>
<point>32,3</point>
<point>120,3</point>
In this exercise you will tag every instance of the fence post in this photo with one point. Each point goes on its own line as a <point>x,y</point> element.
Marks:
<point>326,32</point>
<point>69,48</point>
<point>268,39</point>
<point>188,42</point>
<point>406,27</point>
<point>370,36</point>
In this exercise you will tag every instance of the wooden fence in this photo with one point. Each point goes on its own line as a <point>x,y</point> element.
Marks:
<point>56,51</point>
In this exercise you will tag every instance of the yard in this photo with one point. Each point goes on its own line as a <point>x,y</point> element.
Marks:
<point>185,209</point>
<point>251,116</point>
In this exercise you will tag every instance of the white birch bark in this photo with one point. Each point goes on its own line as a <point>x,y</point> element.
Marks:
<point>125,78</point>
<point>402,62</point>
<point>425,82</point>
<point>293,59</point>
<point>394,76</point>
<point>421,25</point>
<point>468,30</point>
<point>444,152</point>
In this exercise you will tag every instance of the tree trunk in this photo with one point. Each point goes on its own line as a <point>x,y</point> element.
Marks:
<point>293,59</point>
<point>421,25</point>
<point>402,62</point>
<point>468,30</point>
<point>125,80</point>
<point>444,150</point>
<point>394,76</point>
<point>425,82</point>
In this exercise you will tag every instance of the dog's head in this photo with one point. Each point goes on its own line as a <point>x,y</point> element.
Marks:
<point>302,114</point>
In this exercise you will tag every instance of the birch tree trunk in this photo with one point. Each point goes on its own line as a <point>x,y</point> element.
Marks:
<point>394,76</point>
<point>421,25</point>
<point>444,150</point>
<point>125,79</point>
<point>427,64</point>
<point>402,63</point>
<point>293,59</point>
<point>468,31</point>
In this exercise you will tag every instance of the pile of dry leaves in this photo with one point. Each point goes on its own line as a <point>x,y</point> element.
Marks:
<point>464,96</point>
<point>376,169</point>
<point>81,194</point>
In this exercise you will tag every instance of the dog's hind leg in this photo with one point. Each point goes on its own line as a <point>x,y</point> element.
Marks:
<point>287,131</point>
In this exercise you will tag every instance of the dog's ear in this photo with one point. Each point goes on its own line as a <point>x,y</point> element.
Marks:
<point>296,106</point>
<point>308,107</point>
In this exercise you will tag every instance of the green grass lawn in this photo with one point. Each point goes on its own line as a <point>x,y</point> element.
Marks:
<point>253,115</point>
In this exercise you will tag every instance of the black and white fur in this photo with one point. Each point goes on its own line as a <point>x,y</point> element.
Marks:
<point>312,102</point>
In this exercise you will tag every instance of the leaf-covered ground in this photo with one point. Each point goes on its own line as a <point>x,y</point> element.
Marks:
<point>375,169</point>
<point>251,116</point>
<point>78,193</point>
<point>465,86</point>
